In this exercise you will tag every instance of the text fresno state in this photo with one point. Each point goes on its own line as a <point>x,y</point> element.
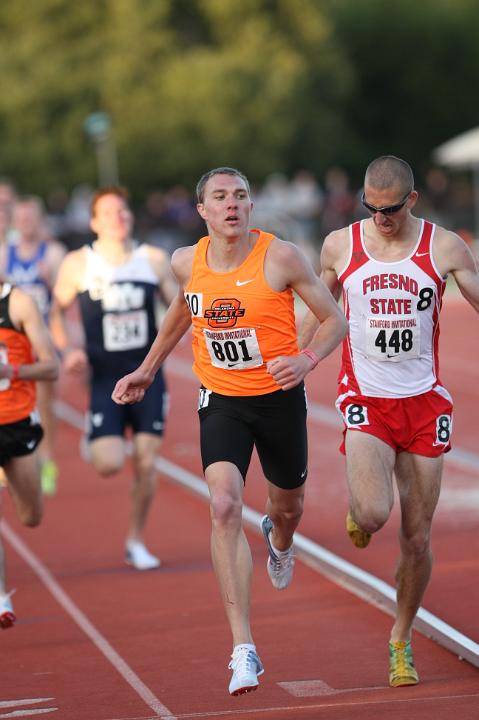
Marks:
<point>390,281</point>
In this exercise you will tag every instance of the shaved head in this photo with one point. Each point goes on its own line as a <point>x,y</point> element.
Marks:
<point>387,172</point>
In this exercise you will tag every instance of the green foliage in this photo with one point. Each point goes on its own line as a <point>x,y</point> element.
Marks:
<point>415,66</point>
<point>267,85</point>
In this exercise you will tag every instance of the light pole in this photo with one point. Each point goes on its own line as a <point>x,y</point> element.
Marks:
<point>98,128</point>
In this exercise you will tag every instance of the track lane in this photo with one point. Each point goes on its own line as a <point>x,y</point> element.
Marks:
<point>324,649</point>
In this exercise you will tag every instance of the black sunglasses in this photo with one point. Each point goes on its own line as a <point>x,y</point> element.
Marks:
<point>389,209</point>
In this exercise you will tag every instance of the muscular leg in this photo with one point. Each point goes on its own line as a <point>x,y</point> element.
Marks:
<point>369,469</point>
<point>419,483</point>
<point>23,475</point>
<point>230,551</point>
<point>46,396</point>
<point>146,448</point>
<point>284,508</point>
<point>109,455</point>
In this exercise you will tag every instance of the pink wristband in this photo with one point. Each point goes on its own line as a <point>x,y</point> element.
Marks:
<point>311,355</point>
<point>15,372</point>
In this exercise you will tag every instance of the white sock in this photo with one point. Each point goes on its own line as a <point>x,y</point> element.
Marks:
<point>244,646</point>
<point>280,553</point>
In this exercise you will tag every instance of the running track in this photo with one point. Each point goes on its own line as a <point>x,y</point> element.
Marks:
<point>96,640</point>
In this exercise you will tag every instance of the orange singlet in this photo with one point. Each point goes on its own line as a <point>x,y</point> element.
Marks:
<point>239,323</point>
<point>17,397</point>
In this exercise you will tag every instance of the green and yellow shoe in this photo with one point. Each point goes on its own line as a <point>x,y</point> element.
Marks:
<point>359,537</point>
<point>401,665</point>
<point>49,474</point>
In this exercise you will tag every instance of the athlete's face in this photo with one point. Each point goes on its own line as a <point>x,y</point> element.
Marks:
<point>28,220</point>
<point>226,206</point>
<point>112,218</point>
<point>396,204</point>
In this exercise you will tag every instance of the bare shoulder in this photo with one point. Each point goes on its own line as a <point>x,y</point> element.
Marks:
<point>285,265</point>
<point>450,252</point>
<point>182,263</point>
<point>335,250</point>
<point>73,266</point>
<point>158,258</point>
<point>22,306</point>
<point>284,251</point>
<point>56,250</point>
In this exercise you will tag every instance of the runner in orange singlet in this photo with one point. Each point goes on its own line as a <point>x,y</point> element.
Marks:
<point>236,289</point>
<point>23,337</point>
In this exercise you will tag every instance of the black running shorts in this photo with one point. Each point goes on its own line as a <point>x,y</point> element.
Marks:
<point>230,426</point>
<point>19,438</point>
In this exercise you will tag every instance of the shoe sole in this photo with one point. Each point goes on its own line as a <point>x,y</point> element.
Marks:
<point>405,682</point>
<point>360,538</point>
<point>141,569</point>
<point>244,690</point>
<point>7,620</point>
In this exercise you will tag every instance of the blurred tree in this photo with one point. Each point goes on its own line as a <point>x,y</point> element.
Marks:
<point>189,84</point>
<point>415,64</point>
<point>268,85</point>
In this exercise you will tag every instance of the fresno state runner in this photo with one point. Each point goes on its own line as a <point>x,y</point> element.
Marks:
<point>236,288</point>
<point>392,268</point>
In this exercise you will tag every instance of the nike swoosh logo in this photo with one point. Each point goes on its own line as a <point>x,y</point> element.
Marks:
<point>421,254</point>
<point>239,283</point>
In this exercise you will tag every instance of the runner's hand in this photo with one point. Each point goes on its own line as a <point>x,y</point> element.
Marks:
<point>75,361</point>
<point>131,388</point>
<point>289,370</point>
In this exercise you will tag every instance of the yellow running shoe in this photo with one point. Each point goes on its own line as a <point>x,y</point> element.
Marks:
<point>401,665</point>
<point>359,537</point>
<point>49,477</point>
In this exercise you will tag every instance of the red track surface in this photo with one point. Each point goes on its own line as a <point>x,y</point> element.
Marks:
<point>99,641</point>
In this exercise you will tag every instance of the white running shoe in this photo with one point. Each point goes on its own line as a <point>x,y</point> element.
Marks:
<point>7,616</point>
<point>139,557</point>
<point>246,667</point>
<point>280,566</point>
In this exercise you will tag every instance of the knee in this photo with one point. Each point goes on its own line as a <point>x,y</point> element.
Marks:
<point>225,510</point>
<point>145,468</point>
<point>371,519</point>
<point>31,517</point>
<point>416,545</point>
<point>288,513</point>
<point>107,466</point>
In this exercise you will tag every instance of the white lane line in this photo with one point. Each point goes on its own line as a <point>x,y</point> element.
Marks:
<point>27,713</point>
<point>29,701</point>
<point>84,623</point>
<point>340,571</point>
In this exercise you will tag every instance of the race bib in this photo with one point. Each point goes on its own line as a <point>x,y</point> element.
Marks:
<point>393,340</point>
<point>234,349</point>
<point>4,382</point>
<point>125,331</point>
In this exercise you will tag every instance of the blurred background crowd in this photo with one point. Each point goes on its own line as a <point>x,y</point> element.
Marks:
<point>299,208</point>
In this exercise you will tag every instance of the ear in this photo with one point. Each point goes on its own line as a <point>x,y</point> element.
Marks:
<point>94,225</point>
<point>201,210</point>
<point>412,199</point>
